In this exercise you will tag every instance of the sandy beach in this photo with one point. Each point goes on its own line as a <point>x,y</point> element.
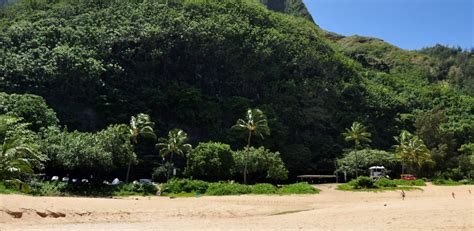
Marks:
<point>431,209</point>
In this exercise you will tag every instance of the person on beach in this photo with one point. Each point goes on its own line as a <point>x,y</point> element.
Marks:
<point>403,195</point>
<point>454,195</point>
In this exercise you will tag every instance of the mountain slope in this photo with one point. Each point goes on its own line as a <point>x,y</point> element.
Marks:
<point>292,7</point>
<point>434,64</point>
<point>196,66</point>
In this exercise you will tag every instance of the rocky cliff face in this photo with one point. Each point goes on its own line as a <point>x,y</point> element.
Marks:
<point>293,7</point>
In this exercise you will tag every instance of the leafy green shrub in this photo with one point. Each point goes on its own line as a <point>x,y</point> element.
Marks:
<point>418,182</point>
<point>32,108</point>
<point>362,182</point>
<point>298,188</point>
<point>445,182</point>
<point>100,153</point>
<point>210,161</point>
<point>467,181</point>
<point>261,163</point>
<point>134,189</point>
<point>185,185</point>
<point>49,188</point>
<point>221,188</point>
<point>6,188</point>
<point>61,189</point>
<point>453,174</point>
<point>264,189</point>
<point>385,183</point>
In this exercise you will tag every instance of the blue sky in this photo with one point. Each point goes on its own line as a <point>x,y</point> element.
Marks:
<point>409,24</point>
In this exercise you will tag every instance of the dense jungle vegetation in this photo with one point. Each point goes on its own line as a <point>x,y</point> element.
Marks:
<point>73,73</point>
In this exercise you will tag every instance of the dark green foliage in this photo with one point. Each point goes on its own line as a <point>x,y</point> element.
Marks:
<point>210,161</point>
<point>85,154</point>
<point>298,188</point>
<point>222,188</point>
<point>180,186</point>
<point>467,181</point>
<point>5,2</point>
<point>185,64</point>
<point>263,189</point>
<point>184,185</point>
<point>362,182</point>
<point>94,190</point>
<point>261,164</point>
<point>445,182</point>
<point>31,108</point>
<point>162,172</point>
<point>385,183</point>
<point>6,188</point>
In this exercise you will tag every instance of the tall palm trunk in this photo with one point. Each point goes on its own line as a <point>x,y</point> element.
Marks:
<point>246,157</point>
<point>168,173</point>
<point>128,170</point>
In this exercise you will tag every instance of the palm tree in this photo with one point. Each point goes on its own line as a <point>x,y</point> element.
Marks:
<point>140,125</point>
<point>175,143</point>
<point>412,151</point>
<point>17,159</point>
<point>357,134</point>
<point>255,123</point>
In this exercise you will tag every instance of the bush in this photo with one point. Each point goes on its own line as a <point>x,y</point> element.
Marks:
<point>418,182</point>
<point>298,188</point>
<point>445,182</point>
<point>220,189</point>
<point>467,181</point>
<point>385,183</point>
<point>261,163</point>
<point>6,188</point>
<point>210,161</point>
<point>264,189</point>
<point>362,182</point>
<point>61,189</point>
<point>134,189</point>
<point>48,188</point>
<point>185,185</point>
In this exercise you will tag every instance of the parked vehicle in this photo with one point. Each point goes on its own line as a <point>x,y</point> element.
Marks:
<point>407,177</point>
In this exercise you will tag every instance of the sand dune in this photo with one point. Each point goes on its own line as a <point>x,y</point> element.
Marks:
<point>431,209</point>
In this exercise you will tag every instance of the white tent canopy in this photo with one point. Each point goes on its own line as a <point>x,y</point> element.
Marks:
<point>377,167</point>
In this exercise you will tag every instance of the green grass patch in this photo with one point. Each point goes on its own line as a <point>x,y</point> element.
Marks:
<point>467,181</point>
<point>182,194</point>
<point>348,187</point>
<point>189,188</point>
<point>444,182</point>
<point>418,182</point>
<point>366,184</point>
<point>298,188</point>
